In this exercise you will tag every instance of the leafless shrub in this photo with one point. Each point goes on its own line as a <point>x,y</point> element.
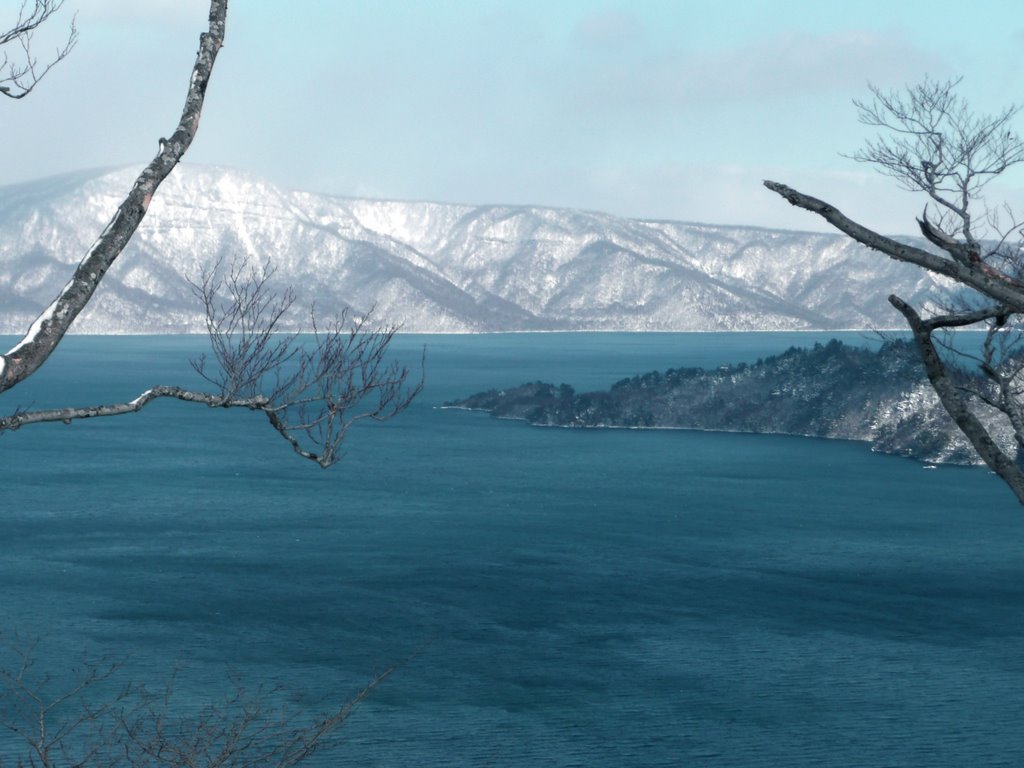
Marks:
<point>51,718</point>
<point>88,720</point>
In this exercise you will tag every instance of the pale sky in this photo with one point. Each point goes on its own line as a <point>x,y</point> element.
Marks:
<point>670,109</point>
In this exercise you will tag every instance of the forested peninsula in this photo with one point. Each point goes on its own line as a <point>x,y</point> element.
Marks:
<point>831,390</point>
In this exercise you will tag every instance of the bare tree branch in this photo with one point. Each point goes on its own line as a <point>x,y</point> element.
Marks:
<point>18,76</point>
<point>315,389</point>
<point>312,393</point>
<point>49,328</point>
<point>999,287</point>
<point>954,403</point>
<point>962,319</point>
<point>933,143</point>
<point>50,718</point>
<point>243,729</point>
<point>312,390</point>
<point>69,414</point>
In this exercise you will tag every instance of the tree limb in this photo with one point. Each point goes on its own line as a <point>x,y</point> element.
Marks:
<point>990,282</point>
<point>255,403</point>
<point>67,415</point>
<point>19,76</point>
<point>939,238</point>
<point>960,319</point>
<point>954,404</point>
<point>933,142</point>
<point>49,328</point>
<point>311,390</point>
<point>311,393</point>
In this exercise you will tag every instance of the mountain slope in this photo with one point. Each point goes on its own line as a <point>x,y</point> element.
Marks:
<point>433,266</point>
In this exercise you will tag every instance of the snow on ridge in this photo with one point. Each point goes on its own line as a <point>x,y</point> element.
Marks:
<point>439,266</point>
<point>423,226</point>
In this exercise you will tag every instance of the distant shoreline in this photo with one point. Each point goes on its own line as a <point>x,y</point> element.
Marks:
<point>832,391</point>
<point>925,463</point>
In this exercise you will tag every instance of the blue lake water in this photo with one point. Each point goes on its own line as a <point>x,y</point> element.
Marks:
<point>579,598</point>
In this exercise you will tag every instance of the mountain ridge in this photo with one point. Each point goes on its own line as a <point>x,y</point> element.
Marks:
<point>436,267</point>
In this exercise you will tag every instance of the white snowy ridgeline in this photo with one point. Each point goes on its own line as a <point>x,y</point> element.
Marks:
<point>432,266</point>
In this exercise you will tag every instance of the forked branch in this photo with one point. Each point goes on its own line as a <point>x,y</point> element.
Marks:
<point>932,142</point>
<point>954,403</point>
<point>312,390</point>
<point>66,415</point>
<point>315,388</point>
<point>996,285</point>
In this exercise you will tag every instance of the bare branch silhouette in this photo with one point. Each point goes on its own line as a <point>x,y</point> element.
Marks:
<point>86,719</point>
<point>311,389</point>
<point>22,72</point>
<point>933,143</point>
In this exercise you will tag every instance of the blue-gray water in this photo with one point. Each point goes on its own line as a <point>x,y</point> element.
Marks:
<point>582,598</point>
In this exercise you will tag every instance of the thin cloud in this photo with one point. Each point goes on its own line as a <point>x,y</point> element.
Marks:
<point>788,65</point>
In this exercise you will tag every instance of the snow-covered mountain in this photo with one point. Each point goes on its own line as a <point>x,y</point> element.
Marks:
<point>433,266</point>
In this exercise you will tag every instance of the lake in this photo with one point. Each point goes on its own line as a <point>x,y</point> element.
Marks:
<point>572,597</point>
